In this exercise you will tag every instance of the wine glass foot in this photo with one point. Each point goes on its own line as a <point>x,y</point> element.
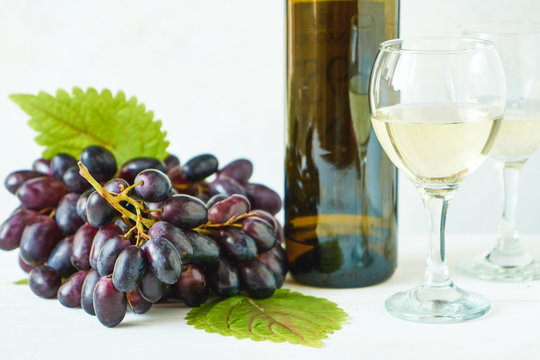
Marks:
<point>448,304</point>
<point>482,268</point>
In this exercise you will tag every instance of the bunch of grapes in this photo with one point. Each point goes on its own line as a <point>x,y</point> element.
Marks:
<point>156,231</point>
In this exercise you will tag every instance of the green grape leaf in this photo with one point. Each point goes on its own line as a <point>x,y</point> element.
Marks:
<point>70,122</point>
<point>285,316</point>
<point>21,282</point>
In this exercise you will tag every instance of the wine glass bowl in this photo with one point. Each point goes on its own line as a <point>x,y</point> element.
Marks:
<point>436,107</point>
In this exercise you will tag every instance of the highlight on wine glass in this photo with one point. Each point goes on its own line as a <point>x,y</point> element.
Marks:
<point>519,136</point>
<point>436,106</point>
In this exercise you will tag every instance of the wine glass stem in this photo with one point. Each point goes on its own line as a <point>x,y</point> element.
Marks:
<point>508,236</point>
<point>436,204</point>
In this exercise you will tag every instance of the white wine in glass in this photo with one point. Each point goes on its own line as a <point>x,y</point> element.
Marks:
<point>437,113</point>
<point>519,136</point>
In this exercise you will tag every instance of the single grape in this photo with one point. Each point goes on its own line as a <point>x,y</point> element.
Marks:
<point>216,198</point>
<point>154,206</point>
<point>129,268</point>
<point>184,211</point>
<point>130,169</point>
<point>60,257</point>
<point>205,250</point>
<point>102,236</point>
<point>12,229</point>
<point>236,245</point>
<point>74,182</point>
<point>98,210</point>
<point>226,185</point>
<point>109,303</point>
<point>240,170</point>
<point>66,214</point>
<point>69,293</point>
<point>41,193</point>
<point>234,205</point>
<point>60,163</point>
<point>81,204</point>
<point>87,291</point>
<point>136,303</point>
<point>178,181</point>
<point>278,269</point>
<point>155,186</point>
<point>223,278</point>
<point>280,253</point>
<point>191,287</point>
<point>38,239</point>
<point>200,167</point>
<point>262,232</point>
<point>257,279</point>
<point>163,229</point>
<point>200,191</point>
<point>26,267</point>
<point>125,225</point>
<point>264,198</point>
<point>109,253</point>
<point>43,166</point>
<point>280,233</point>
<point>151,288</point>
<point>44,281</point>
<point>116,185</point>
<point>170,162</point>
<point>82,244</point>
<point>100,162</point>
<point>164,260</point>
<point>17,178</point>
<point>266,216</point>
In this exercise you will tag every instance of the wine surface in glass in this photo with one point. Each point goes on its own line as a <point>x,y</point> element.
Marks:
<point>437,144</point>
<point>518,138</point>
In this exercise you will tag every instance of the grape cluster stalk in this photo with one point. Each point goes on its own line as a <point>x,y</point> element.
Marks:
<point>113,240</point>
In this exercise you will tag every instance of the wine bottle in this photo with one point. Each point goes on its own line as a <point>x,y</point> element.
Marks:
<point>340,187</point>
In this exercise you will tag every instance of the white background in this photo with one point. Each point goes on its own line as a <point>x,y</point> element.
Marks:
<point>213,72</point>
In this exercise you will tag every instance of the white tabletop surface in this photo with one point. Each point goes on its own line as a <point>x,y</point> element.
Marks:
<point>34,328</point>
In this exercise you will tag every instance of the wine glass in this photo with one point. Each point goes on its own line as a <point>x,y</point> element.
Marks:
<point>436,107</point>
<point>519,136</point>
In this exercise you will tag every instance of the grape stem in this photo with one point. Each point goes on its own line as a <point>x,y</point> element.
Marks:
<point>231,222</point>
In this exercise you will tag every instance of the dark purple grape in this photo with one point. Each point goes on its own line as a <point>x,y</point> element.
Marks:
<point>43,166</point>
<point>154,206</point>
<point>280,253</point>
<point>87,291</point>
<point>12,229</point>
<point>266,216</point>
<point>181,242</point>
<point>164,260</point>
<point>234,205</point>
<point>40,193</point>
<point>184,211</point>
<point>264,198</point>
<point>170,162</point>
<point>262,232</point>
<point>239,170</point>
<point>223,278</point>
<point>214,199</point>
<point>200,191</point>
<point>191,287</point>
<point>102,236</point>
<point>200,167</point>
<point>123,225</point>
<point>98,210</point>
<point>278,269</point>
<point>74,182</point>
<point>136,303</point>
<point>60,163</point>
<point>109,303</point>
<point>205,250</point>
<point>17,178</point>
<point>38,239</point>
<point>69,293</point>
<point>129,268</point>
<point>109,253</point>
<point>155,186</point>
<point>256,278</point>
<point>81,204</point>
<point>100,162</point>
<point>26,267</point>
<point>44,281</point>
<point>226,185</point>
<point>151,288</point>
<point>60,257</point>
<point>116,185</point>
<point>82,244</point>
<point>236,245</point>
<point>130,169</point>
<point>66,214</point>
